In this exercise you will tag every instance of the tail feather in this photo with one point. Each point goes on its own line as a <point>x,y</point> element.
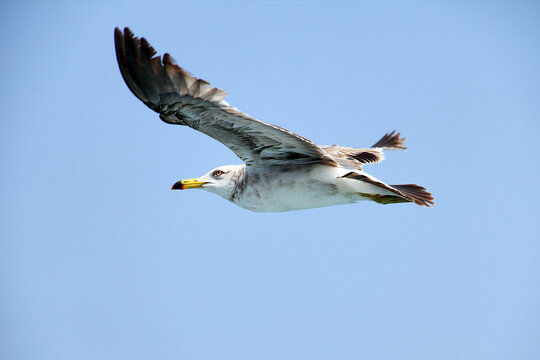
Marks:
<point>391,141</point>
<point>416,193</point>
<point>390,194</point>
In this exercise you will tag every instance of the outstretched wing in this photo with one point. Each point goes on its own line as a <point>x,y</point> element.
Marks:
<point>350,157</point>
<point>354,158</point>
<point>182,99</point>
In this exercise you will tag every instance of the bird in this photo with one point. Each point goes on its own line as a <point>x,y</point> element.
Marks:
<point>282,171</point>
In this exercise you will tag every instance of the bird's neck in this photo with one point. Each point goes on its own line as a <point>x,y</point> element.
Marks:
<point>240,180</point>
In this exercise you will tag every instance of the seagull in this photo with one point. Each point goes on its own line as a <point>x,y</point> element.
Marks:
<point>282,171</point>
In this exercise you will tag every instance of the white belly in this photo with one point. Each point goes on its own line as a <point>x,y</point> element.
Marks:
<point>294,190</point>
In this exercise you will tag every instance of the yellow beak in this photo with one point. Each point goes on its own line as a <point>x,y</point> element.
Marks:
<point>188,184</point>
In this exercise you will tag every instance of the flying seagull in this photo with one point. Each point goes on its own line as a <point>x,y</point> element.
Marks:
<point>283,171</point>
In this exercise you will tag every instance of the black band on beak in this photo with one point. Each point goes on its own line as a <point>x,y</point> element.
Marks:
<point>178,186</point>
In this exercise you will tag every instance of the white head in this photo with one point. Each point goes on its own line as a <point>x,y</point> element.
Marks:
<point>221,180</point>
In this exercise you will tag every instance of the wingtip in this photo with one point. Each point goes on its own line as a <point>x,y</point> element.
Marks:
<point>158,80</point>
<point>391,141</point>
<point>117,35</point>
<point>126,31</point>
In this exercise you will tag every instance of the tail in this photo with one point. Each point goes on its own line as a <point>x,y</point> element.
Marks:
<point>416,193</point>
<point>391,194</point>
<point>391,141</point>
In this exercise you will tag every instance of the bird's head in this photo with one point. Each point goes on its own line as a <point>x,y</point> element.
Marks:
<point>221,181</point>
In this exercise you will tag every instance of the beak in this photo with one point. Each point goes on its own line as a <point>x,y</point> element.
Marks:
<point>188,184</point>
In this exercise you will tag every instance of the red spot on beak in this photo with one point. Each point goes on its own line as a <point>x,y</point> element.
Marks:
<point>178,186</point>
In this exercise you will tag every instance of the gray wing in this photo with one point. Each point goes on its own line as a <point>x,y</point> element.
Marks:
<point>354,158</point>
<point>182,99</point>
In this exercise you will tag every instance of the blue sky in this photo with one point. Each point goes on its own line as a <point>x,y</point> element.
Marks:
<point>100,260</point>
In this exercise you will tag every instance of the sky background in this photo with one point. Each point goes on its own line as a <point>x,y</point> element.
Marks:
<point>99,259</point>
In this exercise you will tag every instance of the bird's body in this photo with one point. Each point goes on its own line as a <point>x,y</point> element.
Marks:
<point>300,187</point>
<point>283,171</point>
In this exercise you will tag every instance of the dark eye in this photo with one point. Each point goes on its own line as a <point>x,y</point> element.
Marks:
<point>218,173</point>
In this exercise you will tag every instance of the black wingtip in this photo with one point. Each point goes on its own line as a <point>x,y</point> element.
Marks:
<point>391,141</point>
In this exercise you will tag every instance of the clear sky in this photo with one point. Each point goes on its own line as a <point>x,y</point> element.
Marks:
<point>99,259</point>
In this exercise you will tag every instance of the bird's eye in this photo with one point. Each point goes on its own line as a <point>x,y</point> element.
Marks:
<point>218,173</point>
